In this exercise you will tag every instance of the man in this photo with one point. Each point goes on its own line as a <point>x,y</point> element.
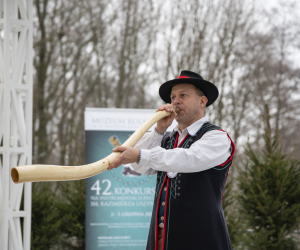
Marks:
<point>192,165</point>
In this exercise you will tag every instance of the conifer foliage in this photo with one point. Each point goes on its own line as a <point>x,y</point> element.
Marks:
<point>45,222</point>
<point>58,216</point>
<point>71,208</point>
<point>270,196</point>
<point>231,212</point>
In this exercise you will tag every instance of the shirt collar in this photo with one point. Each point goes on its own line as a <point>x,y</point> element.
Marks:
<point>195,127</point>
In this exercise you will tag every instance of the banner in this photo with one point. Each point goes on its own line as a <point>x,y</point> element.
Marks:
<point>118,202</point>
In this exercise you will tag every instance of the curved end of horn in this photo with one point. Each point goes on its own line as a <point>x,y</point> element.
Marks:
<point>14,175</point>
<point>37,173</point>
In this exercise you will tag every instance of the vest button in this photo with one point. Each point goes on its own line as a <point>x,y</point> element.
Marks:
<point>163,203</point>
<point>179,175</point>
<point>178,194</point>
<point>162,218</point>
<point>178,188</point>
<point>179,181</point>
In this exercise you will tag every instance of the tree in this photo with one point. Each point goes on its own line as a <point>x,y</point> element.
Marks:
<point>45,222</point>
<point>95,53</point>
<point>208,37</point>
<point>71,209</point>
<point>58,216</point>
<point>269,195</point>
<point>229,204</point>
<point>60,62</point>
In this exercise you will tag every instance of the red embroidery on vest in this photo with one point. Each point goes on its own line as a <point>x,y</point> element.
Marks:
<point>228,160</point>
<point>232,150</point>
<point>175,144</point>
<point>157,211</point>
<point>166,201</point>
<point>165,214</point>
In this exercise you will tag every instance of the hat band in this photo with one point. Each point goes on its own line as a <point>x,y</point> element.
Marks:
<point>182,77</point>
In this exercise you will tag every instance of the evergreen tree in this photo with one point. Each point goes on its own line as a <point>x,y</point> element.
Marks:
<point>230,211</point>
<point>45,222</point>
<point>71,207</point>
<point>270,196</point>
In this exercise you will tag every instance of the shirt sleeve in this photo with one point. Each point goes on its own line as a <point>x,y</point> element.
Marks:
<point>211,150</point>
<point>149,140</point>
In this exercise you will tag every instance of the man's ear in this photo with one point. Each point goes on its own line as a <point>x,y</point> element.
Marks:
<point>203,101</point>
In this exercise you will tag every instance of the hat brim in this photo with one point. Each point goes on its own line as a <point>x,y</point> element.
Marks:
<point>208,88</point>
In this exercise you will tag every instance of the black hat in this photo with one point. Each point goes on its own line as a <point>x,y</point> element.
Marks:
<point>208,88</point>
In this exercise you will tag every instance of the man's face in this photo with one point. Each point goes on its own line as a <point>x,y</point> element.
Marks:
<point>184,97</point>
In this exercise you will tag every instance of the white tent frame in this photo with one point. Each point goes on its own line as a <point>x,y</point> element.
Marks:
<point>15,120</point>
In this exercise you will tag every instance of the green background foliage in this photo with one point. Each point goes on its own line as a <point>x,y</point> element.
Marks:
<point>58,216</point>
<point>269,196</point>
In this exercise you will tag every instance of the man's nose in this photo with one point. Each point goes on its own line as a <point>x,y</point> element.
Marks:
<point>176,100</point>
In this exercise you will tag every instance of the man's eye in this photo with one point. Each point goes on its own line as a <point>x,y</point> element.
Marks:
<point>172,97</point>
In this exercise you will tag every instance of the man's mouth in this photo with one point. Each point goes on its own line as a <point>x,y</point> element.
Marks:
<point>177,109</point>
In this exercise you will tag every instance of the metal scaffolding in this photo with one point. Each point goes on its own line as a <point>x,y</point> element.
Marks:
<point>15,120</point>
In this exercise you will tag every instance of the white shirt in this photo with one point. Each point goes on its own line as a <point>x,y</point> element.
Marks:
<point>211,150</point>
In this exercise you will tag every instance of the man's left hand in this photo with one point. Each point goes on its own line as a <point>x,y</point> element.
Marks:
<point>128,155</point>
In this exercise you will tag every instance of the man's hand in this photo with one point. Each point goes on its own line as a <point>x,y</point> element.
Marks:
<point>163,124</point>
<point>128,155</point>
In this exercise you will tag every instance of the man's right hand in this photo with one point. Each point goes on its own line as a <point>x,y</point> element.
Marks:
<point>164,123</point>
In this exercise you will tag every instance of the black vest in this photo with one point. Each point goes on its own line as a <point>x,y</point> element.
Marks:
<point>193,216</point>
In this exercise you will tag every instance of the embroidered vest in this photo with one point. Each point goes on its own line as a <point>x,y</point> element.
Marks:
<point>192,211</point>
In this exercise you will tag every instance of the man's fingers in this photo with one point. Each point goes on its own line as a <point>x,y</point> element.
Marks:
<point>116,163</point>
<point>119,149</point>
<point>168,108</point>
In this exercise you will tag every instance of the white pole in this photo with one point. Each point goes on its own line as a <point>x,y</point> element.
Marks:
<point>15,120</point>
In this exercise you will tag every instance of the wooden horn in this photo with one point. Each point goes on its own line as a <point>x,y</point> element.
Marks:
<point>34,173</point>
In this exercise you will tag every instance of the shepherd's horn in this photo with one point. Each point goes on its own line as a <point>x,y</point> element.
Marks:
<point>33,173</point>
